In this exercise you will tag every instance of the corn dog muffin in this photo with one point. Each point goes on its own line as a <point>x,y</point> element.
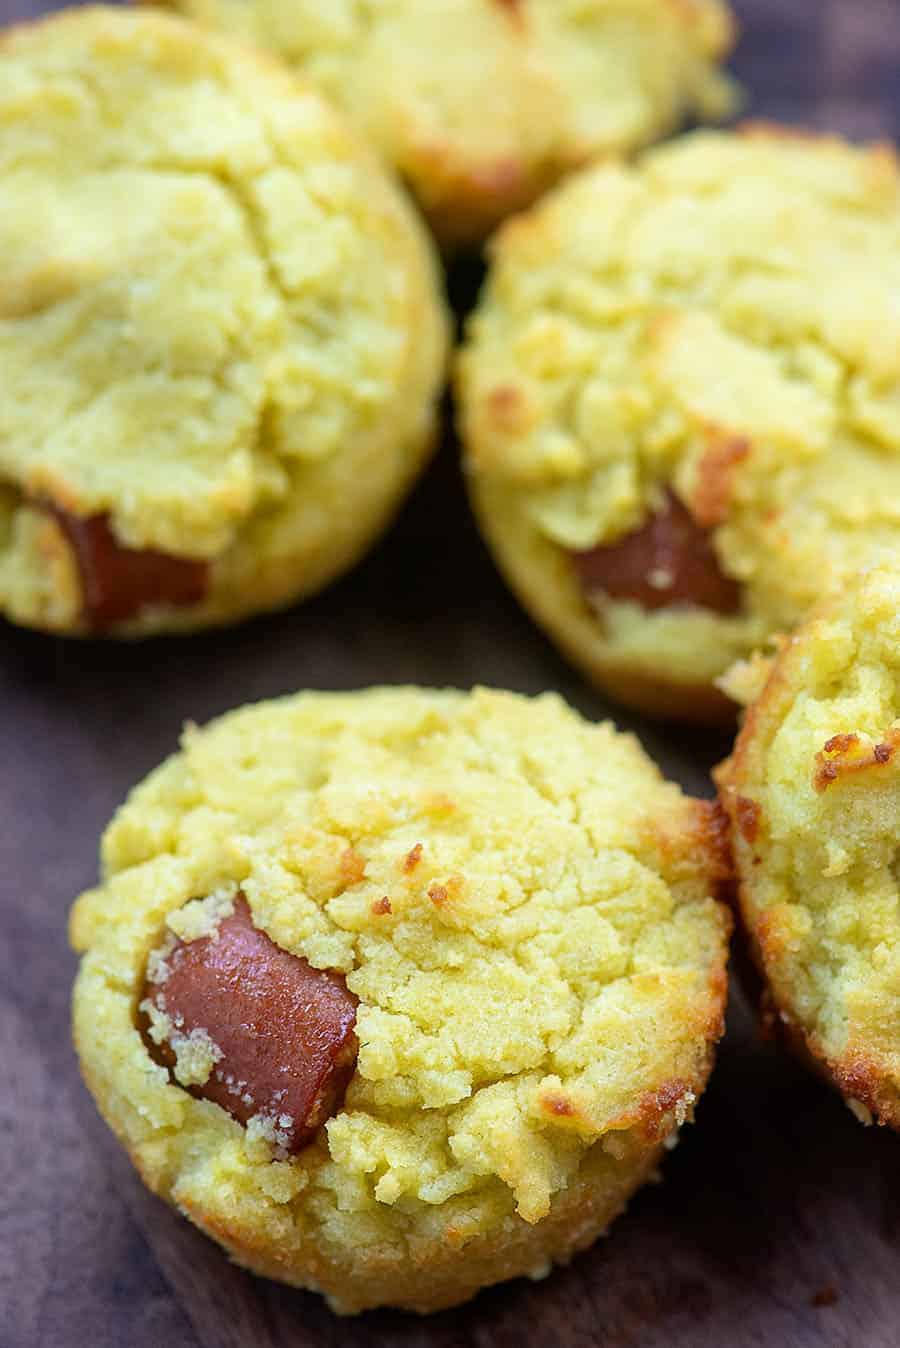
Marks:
<point>679,401</point>
<point>812,792</point>
<point>400,993</point>
<point>221,337</point>
<point>482,104</point>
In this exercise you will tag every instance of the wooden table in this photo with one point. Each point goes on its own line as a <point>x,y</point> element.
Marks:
<point>779,1222</point>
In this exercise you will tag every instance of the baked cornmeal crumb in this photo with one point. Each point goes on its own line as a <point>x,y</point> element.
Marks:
<point>813,794</point>
<point>719,322</point>
<point>538,998</point>
<point>482,104</point>
<point>220,322</point>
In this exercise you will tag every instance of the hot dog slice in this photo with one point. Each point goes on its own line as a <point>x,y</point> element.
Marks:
<point>279,1034</point>
<point>118,582</point>
<point>668,562</point>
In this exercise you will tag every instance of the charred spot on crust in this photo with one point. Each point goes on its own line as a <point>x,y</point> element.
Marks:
<point>352,867</point>
<point>861,1081</point>
<point>846,754</point>
<point>514,9</point>
<point>713,835</point>
<point>412,858</point>
<point>825,775</point>
<point>840,744</point>
<point>715,478</point>
<point>558,1106</point>
<point>118,582</point>
<point>772,935</point>
<point>280,1034</point>
<point>656,1105</point>
<point>448,893</point>
<point>503,402</point>
<point>747,815</point>
<point>669,562</point>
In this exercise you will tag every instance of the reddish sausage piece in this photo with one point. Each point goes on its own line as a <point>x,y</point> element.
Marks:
<point>668,563</point>
<point>285,1031</point>
<point>118,582</point>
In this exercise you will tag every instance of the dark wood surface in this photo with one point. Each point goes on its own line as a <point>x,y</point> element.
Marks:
<point>779,1221</point>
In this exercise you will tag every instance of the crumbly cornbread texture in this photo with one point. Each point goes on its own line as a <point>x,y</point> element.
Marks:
<point>219,321</point>
<point>813,794</point>
<point>526,912</point>
<point>483,104</point>
<point>719,322</point>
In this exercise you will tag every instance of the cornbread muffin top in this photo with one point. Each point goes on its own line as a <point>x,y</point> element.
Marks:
<point>482,104</point>
<point>717,326</point>
<point>813,792</point>
<point>524,909</point>
<point>211,298</point>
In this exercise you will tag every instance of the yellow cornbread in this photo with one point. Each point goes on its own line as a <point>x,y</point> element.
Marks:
<point>219,320</point>
<point>813,794</point>
<point>482,104</point>
<point>719,322</point>
<point>526,912</point>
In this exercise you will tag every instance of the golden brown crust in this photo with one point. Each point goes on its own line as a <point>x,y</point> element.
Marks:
<point>848,760</point>
<point>860,1080</point>
<point>574,1223</point>
<point>856,1076</point>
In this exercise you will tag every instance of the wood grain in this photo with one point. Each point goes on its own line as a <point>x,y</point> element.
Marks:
<point>779,1221</point>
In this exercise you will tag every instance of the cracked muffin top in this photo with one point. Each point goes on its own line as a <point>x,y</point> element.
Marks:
<point>680,399</point>
<point>522,914</point>
<point>813,793</point>
<point>482,104</point>
<point>220,329</point>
